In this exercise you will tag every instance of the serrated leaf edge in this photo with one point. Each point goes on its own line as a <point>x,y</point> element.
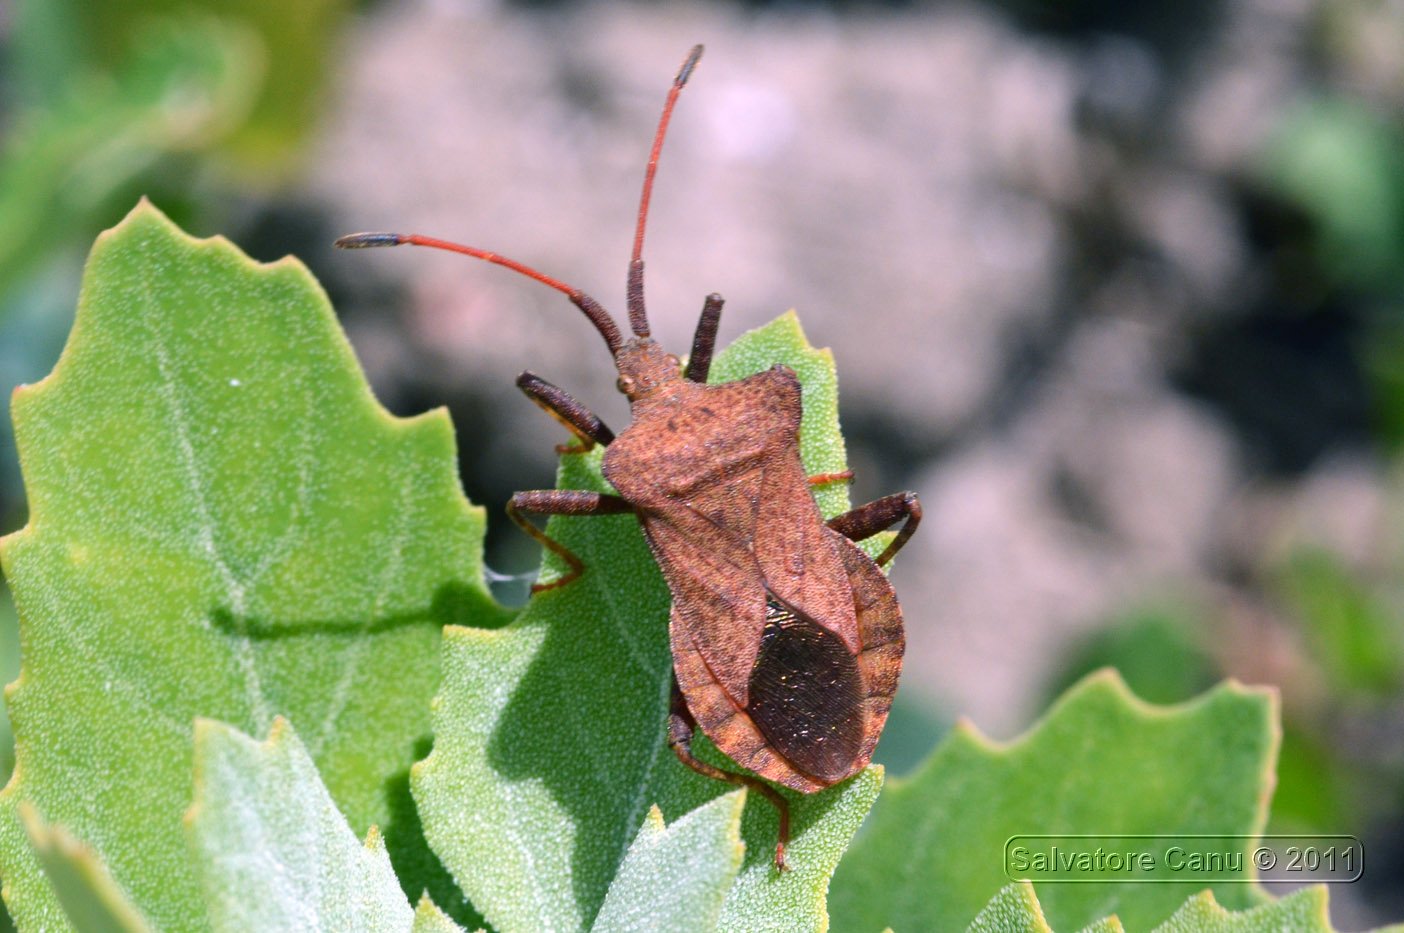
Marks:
<point>146,213</point>
<point>1109,683</point>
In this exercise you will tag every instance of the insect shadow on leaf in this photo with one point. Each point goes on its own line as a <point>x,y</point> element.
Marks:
<point>453,603</point>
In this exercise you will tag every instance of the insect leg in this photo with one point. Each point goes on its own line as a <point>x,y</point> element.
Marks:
<point>879,515</point>
<point>681,726</point>
<point>561,502</point>
<point>699,361</point>
<point>559,404</point>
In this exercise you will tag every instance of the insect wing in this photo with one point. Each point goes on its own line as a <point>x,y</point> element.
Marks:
<point>880,634</point>
<point>806,694</point>
<point>718,594</point>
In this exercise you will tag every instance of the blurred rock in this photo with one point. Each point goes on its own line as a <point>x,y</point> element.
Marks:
<point>1105,489</point>
<point>1007,239</point>
<point>887,177</point>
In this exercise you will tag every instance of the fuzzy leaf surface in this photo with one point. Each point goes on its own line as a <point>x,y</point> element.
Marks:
<point>1304,911</point>
<point>549,735</point>
<point>91,900</point>
<point>763,902</point>
<point>428,918</point>
<point>9,670</point>
<point>676,877</point>
<point>223,524</point>
<point>272,850</point>
<point>1015,909</point>
<point>1099,762</point>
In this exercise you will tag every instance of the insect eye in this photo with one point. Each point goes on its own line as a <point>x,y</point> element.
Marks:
<point>625,384</point>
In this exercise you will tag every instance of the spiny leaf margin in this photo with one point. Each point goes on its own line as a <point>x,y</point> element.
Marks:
<point>272,850</point>
<point>1303,911</point>
<point>1100,761</point>
<point>1016,907</point>
<point>676,877</point>
<point>217,504</point>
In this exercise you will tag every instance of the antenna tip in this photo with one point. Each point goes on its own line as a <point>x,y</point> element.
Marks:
<point>367,240</point>
<point>685,71</point>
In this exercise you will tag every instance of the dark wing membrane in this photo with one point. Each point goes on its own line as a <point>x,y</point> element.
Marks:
<point>806,695</point>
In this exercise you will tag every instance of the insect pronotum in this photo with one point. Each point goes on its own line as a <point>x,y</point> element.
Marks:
<point>786,638</point>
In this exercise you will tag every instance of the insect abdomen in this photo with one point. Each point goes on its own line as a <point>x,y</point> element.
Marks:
<point>806,694</point>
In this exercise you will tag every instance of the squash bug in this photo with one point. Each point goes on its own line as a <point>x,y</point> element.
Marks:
<point>786,638</point>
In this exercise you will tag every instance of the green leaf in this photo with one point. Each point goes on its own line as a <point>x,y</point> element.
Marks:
<point>1156,649</point>
<point>91,900</point>
<point>675,877</point>
<point>272,850</point>
<point>1318,790</point>
<point>428,918</point>
<point>1099,762</point>
<point>1015,909</point>
<point>549,737</point>
<point>1342,163</point>
<point>1110,924</point>
<point>1302,912</point>
<point>9,670</point>
<point>761,902</point>
<point>223,523</point>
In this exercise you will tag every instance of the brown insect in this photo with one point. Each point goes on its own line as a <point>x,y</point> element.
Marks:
<point>786,638</point>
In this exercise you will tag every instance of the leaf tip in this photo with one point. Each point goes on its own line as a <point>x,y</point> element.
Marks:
<point>428,916</point>
<point>790,323</point>
<point>143,206</point>
<point>147,218</point>
<point>79,877</point>
<point>1304,909</point>
<point>1267,694</point>
<point>374,841</point>
<point>964,730</point>
<point>144,213</point>
<point>279,731</point>
<point>205,728</point>
<point>1107,689</point>
<point>1107,686</point>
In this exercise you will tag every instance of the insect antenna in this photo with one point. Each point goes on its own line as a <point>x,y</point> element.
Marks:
<point>638,320</point>
<point>592,308</point>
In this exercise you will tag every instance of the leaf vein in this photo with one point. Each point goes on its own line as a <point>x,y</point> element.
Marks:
<point>390,570</point>
<point>244,656</point>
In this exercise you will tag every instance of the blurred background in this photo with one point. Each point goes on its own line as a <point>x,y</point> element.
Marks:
<point>1115,287</point>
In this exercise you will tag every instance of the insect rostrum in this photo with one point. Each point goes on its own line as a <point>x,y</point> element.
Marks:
<point>786,638</point>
